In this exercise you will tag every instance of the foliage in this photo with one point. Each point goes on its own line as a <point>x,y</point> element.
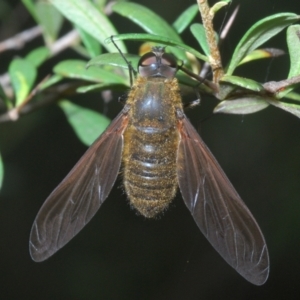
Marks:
<point>90,37</point>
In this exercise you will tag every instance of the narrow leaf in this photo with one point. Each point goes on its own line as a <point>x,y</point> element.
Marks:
<point>293,41</point>
<point>245,105</point>
<point>291,108</point>
<point>77,69</point>
<point>258,34</point>
<point>262,53</point>
<point>84,14</point>
<point>185,18</point>
<point>245,83</point>
<point>86,123</point>
<point>22,75</point>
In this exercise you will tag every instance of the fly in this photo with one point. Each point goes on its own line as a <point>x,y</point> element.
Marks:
<point>159,150</point>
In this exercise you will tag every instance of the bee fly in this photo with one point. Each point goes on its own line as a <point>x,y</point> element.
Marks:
<point>159,150</point>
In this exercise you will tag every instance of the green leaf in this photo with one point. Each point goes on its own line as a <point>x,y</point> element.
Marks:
<point>293,41</point>
<point>261,53</point>
<point>217,6</point>
<point>50,20</point>
<point>84,14</point>
<point>87,124</point>
<point>160,40</point>
<point>96,87</point>
<point>245,105</point>
<point>38,56</point>
<point>245,83</point>
<point>258,34</point>
<point>185,18</point>
<point>74,68</point>
<point>149,21</point>
<point>293,96</point>
<point>22,75</point>
<point>291,108</point>
<point>90,43</point>
<point>29,4</point>
<point>1,171</point>
<point>50,81</point>
<point>198,32</point>
<point>114,59</point>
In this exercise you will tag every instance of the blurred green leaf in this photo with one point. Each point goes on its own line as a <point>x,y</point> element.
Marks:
<point>150,22</point>
<point>85,15</point>
<point>245,83</point>
<point>1,171</point>
<point>22,75</point>
<point>245,105</point>
<point>91,44</point>
<point>38,56</point>
<point>74,68</point>
<point>50,19</point>
<point>30,5</point>
<point>96,87</point>
<point>160,40</point>
<point>87,124</point>
<point>293,96</point>
<point>185,18</point>
<point>258,34</point>
<point>50,81</point>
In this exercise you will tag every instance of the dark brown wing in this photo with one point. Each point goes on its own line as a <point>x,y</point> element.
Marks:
<point>218,210</point>
<point>78,197</point>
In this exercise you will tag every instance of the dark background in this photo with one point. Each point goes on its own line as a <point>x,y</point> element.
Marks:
<point>120,255</point>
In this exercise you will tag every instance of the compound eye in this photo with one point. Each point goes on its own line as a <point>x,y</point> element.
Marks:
<point>168,60</point>
<point>157,64</point>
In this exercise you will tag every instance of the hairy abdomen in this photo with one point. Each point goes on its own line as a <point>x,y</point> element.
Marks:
<point>150,148</point>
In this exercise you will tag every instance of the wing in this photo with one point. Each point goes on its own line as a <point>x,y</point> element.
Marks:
<point>218,210</point>
<point>78,197</point>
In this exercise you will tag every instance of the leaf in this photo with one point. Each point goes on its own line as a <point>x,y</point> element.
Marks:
<point>96,87</point>
<point>293,96</point>
<point>22,75</point>
<point>49,19</point>
<point>38,56</point>
<point>74,68</point>
<point>1,171</point>
<point>114,59</point>
<point>245,83</point>
<point>85,15</point>
<point>50,81</point>
<point>90,43</point>
<point>198,32</point>
<point>261,53</point>
<point>87,124</point>
<point>293,42</point>
<point>185,18</point>
<point>29,4</point>
<point>245,105</point>
<point>291,108</point>
<point>258,34</point>
<point>149,21</point>
<point>161,40</point>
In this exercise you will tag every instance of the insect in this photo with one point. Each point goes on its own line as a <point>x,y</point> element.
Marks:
<point>159,150</point>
